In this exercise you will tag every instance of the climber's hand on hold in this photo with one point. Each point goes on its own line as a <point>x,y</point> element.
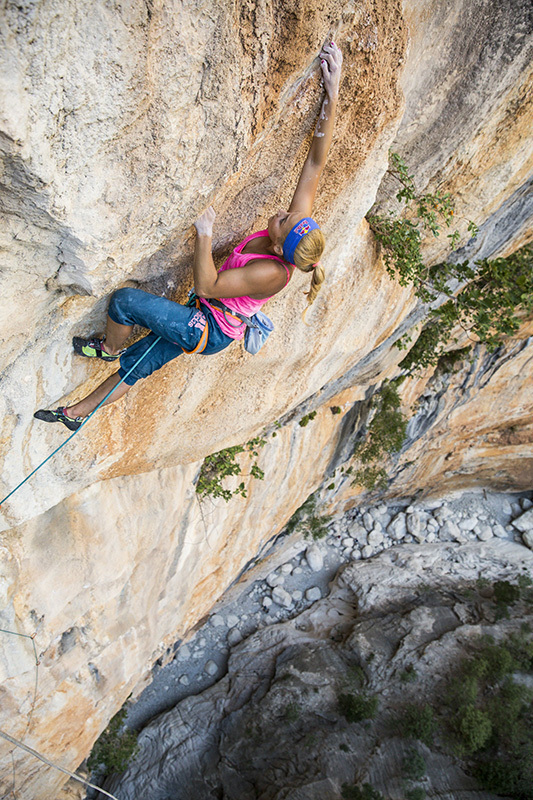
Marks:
<point>331,63</point>
<point>204,223</point>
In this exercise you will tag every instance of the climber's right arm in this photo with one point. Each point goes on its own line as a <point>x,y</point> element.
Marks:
<point>331,63</point>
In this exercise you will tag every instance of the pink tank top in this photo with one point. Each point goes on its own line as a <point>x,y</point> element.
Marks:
<point>244,305</point>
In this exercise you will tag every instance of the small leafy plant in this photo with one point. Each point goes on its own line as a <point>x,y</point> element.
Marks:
<point>307,521</point>
<point>366,792</point>
<point>218,466</point>
<point>306,419</point>
<point>115,747</point>
<point>418,722</point>
<point>414,765</point>
<point>385,435</point>
<point>357,707</point>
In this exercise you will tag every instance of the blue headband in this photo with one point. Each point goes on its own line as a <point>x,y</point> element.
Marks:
<point>295,236</point>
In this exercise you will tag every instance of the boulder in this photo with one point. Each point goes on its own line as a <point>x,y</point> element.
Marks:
<point>527,538</point>
<point>397,529</point>
<point>314,557</point>
<point>524,522</point>
<point>281,597</point>
<point>450,532</point>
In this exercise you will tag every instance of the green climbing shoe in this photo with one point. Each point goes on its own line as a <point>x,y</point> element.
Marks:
<point>92,348</point>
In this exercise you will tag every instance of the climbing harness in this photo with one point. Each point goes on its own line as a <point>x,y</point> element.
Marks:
<point>85,421</point>
<point>258,326</point>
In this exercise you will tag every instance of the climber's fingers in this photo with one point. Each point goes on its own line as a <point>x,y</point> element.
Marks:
<point>204,223</point>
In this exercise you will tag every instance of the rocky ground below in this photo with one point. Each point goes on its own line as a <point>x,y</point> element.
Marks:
<point>389,590</point>
<point>305,570</point>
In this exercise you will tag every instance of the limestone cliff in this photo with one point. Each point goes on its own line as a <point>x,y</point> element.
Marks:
<point>120,122</point>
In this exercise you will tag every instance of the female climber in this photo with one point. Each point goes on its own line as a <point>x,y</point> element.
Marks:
<point>259,267</point>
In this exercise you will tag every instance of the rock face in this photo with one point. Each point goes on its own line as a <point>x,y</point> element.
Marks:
<point>119,125</point>
<point>271,728</point>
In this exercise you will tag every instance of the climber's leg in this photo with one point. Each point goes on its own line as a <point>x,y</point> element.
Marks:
<point>89,403</point>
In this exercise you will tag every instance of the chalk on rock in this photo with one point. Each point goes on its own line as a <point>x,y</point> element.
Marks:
<point>184,680</point>
<point>235,636</point>
<point>297,571</point>
<point>431,537</point>
<point>524,522</point>
<point>313,594</point>
<point>232,620</point>
<point>347,554</point>
<point>356,555</point>
<point>297,595</point>
<point>367,551</point>
<point>281,597</point>
<point>217,620</point>
<point>211,668</point>
<point>314,558</point>
<point>267,602</point>
<point>286,569</point>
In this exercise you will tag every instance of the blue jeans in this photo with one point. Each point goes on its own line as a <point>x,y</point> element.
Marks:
<point>178,326</point>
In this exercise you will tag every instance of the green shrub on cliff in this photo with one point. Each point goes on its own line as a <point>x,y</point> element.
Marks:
<point>223,464</point>
<point>489,716</point>
<point>115,747</point>
<point>492,290</point>
<point>357,707</point>
<point>385,435</point>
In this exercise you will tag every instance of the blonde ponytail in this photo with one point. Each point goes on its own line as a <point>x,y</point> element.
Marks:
<point>306,257</point>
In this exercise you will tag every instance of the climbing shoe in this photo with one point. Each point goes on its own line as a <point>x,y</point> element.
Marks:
<point>59,416</point>
<point>92,348</point>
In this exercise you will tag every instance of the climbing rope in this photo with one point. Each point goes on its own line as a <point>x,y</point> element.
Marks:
<point>55,766</point>
<point>85,421</point>
<point>34,700</point>
<point>19,743</point>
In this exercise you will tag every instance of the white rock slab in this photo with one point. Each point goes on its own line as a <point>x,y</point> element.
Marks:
<point>525,522</point>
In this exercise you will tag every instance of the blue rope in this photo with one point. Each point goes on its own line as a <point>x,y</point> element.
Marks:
<point>85,421</point>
